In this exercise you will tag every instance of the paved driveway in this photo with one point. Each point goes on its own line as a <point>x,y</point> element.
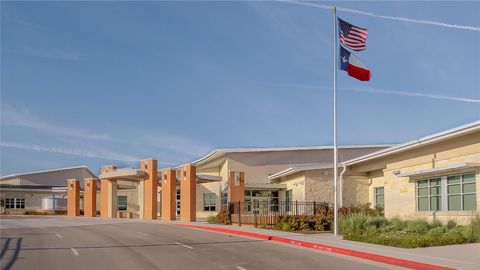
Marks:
<point>80,243</point>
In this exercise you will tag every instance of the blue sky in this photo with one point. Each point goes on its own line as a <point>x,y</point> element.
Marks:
<point>114,82</point>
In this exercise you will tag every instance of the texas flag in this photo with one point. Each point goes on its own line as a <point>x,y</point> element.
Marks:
<point>350,63</point>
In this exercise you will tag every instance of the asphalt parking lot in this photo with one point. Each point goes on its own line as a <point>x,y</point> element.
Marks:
<point>59,243</point>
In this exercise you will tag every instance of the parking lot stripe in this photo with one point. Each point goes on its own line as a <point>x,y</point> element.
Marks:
<point>75,252</point>
<point>189,247</point>
<point>58,235</point>
<point>43,228</point>
<point>147,234</point>
<point>240,268</point>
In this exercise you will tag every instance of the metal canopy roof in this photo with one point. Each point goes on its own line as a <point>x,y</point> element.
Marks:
<point>127,174</point>
<point>446,169</point>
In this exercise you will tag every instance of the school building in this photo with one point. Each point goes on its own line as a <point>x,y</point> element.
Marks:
<point>434,177</point>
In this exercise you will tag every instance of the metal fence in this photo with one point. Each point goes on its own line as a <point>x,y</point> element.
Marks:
<point>265,212</point>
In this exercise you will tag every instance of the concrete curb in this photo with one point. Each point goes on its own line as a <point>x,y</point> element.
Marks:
<point>343,251</point>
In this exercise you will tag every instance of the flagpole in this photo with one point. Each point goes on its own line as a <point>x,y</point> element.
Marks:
<point>335,203</point>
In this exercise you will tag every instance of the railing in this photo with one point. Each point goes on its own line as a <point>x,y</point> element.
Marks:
<point>265,212</point>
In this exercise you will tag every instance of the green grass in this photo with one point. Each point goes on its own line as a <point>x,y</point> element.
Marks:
<point>407,233</point>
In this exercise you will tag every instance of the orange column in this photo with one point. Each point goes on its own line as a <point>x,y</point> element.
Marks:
<point>169,194</point>
<point>108,194</point>
<point>108,198</point>
<point>90,197</point>
<point>188,190</point>
<point>150,188</point>
<point>73,198</point>
<point>237,187</point>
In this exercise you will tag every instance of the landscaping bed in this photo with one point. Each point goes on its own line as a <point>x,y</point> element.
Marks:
<point>407,233</point>
<point>364,224</point>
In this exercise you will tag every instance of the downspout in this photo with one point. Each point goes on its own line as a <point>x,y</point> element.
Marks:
<point>341,184</point>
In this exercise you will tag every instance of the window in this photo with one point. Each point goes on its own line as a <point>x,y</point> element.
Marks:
<point>122,203</point>
<point>429,194</point>
<point>447,193</point>
<point>461,191</point>
<point>261,200</point>
<point>15,203</point>
<point>379,197</point>
<point>288,200</point>
<point>209,202</point>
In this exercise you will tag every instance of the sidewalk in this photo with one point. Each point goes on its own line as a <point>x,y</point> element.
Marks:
<point>456,256</point>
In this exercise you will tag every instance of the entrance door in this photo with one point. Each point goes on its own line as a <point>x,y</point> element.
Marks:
<point>178,202</point>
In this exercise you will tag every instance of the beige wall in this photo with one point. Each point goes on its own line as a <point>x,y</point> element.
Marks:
<point>33,199</point>
<point>400,192</point>
<point>296,183</point>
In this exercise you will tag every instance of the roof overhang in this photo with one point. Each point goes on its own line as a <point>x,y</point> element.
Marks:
<point>446,169</point>
<point>205,178</point>
<point>126,174</point>
<point>435,138</point>
<point>266,186</point>
<point>217,154</point>
<point>296,169</point>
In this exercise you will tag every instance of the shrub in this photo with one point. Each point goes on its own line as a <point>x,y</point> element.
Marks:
<point>34,213</point>
<point>418,226</point>
<point>212,220</point>
<point>407,234</point>
<point>472,231</point>
<point>352,224</point>
<point>376,221</point>
<point>360,209</point>
<point>320,222</point>
<point>223,217</point>
<point>451,224</point>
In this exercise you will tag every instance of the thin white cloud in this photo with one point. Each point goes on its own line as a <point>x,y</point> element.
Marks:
<point>102,154</point>
<point>374,91</point>
<point>22,117</point>
<point>441,24</point>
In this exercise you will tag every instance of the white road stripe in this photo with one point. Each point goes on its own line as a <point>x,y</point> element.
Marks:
<point>147,234</point>
<point>240,268</point>
<point>58,235</point>
<point>189,247</point>
<point>75,252</point>
<point>43,228</point>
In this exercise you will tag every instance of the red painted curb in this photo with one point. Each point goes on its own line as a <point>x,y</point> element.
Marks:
<point>343,251</point>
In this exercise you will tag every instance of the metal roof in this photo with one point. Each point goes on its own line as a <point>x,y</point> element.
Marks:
<point>48,171</point>
<point>217,153</point>
<point>450,168</point>
<point>441,136</point>
<point>296,169</point>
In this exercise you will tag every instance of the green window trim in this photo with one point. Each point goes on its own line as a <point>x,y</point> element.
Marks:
<point>379,197</point>
<point>447,193</point>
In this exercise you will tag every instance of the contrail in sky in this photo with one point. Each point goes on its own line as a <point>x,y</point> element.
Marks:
<point>373,91</point>
<point>448,25</point>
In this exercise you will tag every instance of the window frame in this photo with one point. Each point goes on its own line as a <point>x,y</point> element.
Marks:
<point>14,201</point>
<point>444,192</point>
<point>209,204</point>
<point>375,194</point>
<point>126,203</point>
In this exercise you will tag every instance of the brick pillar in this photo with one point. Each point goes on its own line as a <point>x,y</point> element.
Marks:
<point>73,197</point>
<point>237,187</point>
<point>108,194</point>
<point>188,190</point>
<point>169,195</point>
<point>90,197</point>
<point>150,188</point>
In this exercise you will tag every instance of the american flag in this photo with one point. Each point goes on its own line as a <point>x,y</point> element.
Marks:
<point>352,36</point>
